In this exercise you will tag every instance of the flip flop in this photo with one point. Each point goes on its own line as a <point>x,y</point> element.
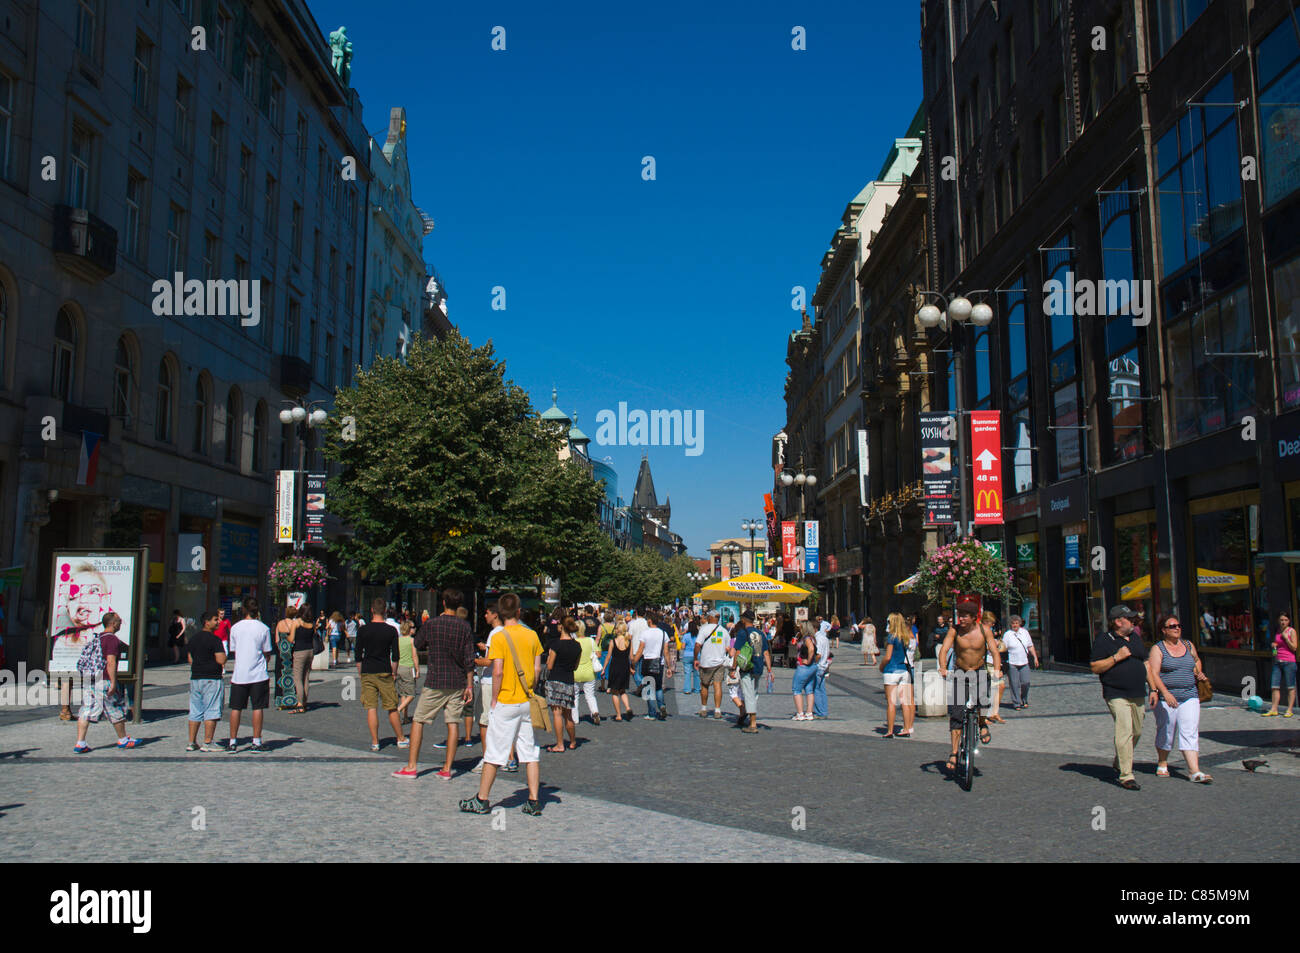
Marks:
<point>986,736</point>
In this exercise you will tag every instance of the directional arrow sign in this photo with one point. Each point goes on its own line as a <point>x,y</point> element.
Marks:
<point>985,442</point>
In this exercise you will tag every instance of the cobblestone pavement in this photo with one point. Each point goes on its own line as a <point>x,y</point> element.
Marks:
<point>688,788</point>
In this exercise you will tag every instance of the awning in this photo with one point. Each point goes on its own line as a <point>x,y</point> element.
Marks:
<point>908,584</point>
<point>1288,555</point>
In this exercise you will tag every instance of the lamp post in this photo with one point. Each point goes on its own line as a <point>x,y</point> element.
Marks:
<point>954,316</point>
<point>731,549</point>
<point>802,480</point>
<point>307,417</point>
<point>753,526</point>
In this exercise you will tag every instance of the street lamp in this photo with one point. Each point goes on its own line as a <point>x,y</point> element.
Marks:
<point>753,526</point>
<point>731,549</point>
<point>306,419</point>
<point>957,312</point>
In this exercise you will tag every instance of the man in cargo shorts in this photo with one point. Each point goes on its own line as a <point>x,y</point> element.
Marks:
<point>711,645</point>
<point>378,653</point>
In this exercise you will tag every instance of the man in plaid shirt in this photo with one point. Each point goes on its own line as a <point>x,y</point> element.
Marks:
<point>448,687</point>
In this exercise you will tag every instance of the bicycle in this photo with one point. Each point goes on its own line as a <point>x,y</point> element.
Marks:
<point>968,746</point>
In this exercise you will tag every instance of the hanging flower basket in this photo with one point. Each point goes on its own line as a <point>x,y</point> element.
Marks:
<point>965,566</point>
<point>295,574</point>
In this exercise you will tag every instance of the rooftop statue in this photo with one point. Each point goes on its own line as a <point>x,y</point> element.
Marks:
<point>341,59</point>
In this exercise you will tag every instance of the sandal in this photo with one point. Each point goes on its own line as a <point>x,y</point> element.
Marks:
<point>986,736</point>
<point>1200,777</point>
<point>1162,771</point>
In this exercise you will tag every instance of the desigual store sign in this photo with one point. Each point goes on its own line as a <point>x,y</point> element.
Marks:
<point>1286,446</point>
<point>1063,503</point>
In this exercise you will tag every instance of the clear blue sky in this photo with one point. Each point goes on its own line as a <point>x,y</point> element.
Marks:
<point>667,294</point>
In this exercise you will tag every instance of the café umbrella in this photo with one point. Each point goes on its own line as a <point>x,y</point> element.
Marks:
<point>753,587</point>
<point>1207,580</point>
<point>908,584</point>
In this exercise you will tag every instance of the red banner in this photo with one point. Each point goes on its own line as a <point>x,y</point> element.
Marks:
<point>986,465</point>
<point>789,546</point>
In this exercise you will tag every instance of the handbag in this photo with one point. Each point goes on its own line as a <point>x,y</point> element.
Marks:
<point>537,710</point>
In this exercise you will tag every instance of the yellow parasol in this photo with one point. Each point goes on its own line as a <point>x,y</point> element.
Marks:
<point>1207,580</point>
<point>752,587</point>
<point>908,584</point>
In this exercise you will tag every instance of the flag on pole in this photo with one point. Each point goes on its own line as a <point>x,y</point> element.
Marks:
<point>88,465</point>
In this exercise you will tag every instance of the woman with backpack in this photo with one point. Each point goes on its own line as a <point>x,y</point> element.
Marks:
<point>805,673</point>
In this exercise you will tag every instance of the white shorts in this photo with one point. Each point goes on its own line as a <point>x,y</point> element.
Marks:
<point>510,725</point>
<point>1183,721</point>
<point>897,678</point>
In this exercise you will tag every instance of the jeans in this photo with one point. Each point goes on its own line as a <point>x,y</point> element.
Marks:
<point>690,676</point>
<point>636,677</point>
<point>820,708</point>
<point>655,702</point>
<point>1019,676</point>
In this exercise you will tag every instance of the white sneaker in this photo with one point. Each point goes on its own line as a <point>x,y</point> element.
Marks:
<point>477,769</point>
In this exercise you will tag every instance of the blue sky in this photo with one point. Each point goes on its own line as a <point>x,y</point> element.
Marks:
<point>667,294</point>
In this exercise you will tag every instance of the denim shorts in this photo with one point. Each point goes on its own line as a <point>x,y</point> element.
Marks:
<point>804,676</point>
<point>205,699</point>
<point>1283,675</point>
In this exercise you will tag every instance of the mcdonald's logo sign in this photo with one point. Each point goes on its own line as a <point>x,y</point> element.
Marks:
<point>986,500</point>
<point>986,465</point>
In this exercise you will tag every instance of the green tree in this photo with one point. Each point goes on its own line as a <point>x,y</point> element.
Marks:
<point>447,461</point>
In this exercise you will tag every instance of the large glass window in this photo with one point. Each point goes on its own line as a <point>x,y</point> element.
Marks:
<point>1200,179</point>
<point>1122,263</point>
<point>1279,111</point>
<point>1231,602</point>
<point>1211,365</point>
<point>1286,297</point>
<point>1058,262</point>
<point>1140,586</point>
<point>1020,427</point>
<point>1173,17</point>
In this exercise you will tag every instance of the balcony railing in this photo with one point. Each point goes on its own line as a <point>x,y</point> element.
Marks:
<point>83,244</point>
<point>295,375</point>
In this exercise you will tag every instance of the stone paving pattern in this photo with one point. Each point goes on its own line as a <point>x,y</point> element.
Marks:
<point>688,788</point>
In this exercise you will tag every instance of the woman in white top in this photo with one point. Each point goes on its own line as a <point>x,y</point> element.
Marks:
<point>869,648</point>
<point>1020,648</point>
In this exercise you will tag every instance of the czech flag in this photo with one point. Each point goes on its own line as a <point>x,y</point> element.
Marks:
<point>88,467</point>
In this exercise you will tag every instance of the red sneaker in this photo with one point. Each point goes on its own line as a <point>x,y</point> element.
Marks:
<point>406,773</point>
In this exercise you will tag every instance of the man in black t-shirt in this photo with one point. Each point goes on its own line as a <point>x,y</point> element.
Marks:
<point>207,657</point>
<point>378,653</point>
<point>1119,656</point>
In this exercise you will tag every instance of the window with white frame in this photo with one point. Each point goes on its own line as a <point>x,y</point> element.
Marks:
<point>65,355</point>
<point>162,430</point>
<point>123,381</point>
<point>175,238</point>
<point>132,230</point>
<point>86,17</point>
<point>140,72</point>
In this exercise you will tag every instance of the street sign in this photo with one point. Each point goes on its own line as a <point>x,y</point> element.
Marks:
<point>315,505</point>
<point>986,455</point>
<point>284,507</point>
<point>994,547</point>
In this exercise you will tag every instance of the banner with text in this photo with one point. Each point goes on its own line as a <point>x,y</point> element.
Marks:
<point>284,507</point>
<point>811,545</point>
<point>789,546</point>
<point>986,464</point>
<point>864,469</point>
<point>315,516</point>
<point>938,449</point>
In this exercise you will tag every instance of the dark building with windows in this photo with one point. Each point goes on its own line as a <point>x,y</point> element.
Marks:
<point>1148,457</point>
<point>218,162</point>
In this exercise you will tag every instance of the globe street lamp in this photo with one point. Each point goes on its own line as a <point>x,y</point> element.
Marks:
<point>753,526</point>
<point>306,418</point>
<point>731,549</point>
<point>957,313</point>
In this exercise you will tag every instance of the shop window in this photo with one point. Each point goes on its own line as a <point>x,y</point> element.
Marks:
<point>1228,579</point>
<point>1141,586</point>
<point>1279,117</point>
<point>1211,366</point>
<point>1028,583</point>
<point>1200,179</point>
<point>1286,297</point>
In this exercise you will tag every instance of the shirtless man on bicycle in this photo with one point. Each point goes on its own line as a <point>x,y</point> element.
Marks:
<point>973,642</point>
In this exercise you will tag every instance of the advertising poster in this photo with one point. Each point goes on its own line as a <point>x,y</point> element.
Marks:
<point>284,507</point>
<point>760,564</point>
<point>986,465</point>
<point>789,547</point>
<point>86,586</point>
<point>938,450</point>
<point>315,493</point>
<point>773,531</point>
<point>1072,552</point>
<point>812,545</point>
<point>864,469</point>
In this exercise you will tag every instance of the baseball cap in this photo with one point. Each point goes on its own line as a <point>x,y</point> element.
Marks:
<point>1121,611</point>
<point>748,614</point>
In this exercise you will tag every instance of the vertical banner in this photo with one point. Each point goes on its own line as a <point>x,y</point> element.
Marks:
<point>789,547</point>
<point>773,536</point>
<point>938,439</point>
<point>986,465</point>
<point>811,545</point>
<point>315,516</point>
<point>864,469</point>
<point>760,564</point>
<point>1072,552</point>
<point>284,506</point>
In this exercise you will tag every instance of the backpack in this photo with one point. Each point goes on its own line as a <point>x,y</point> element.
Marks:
<point>91,662</point>
<point>745,655</point>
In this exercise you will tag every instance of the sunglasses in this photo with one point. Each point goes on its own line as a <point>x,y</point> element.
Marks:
<point>1174,625</point>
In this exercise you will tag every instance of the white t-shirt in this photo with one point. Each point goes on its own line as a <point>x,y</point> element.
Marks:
<point>637,626</point>
<point>485,677</point>
<point>1018,643</point>
<point>249,639</point>
<point>653,641</point>
<point>711,645</point>
<point>823,649</point>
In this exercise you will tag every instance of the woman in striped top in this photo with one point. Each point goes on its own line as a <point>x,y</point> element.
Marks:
<point>1173,669</point>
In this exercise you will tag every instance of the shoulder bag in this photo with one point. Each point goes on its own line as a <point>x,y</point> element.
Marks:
<point>1204,689</point>
<point>540,714</point>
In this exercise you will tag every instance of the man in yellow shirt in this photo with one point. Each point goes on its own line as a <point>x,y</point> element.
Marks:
<point>510,720</point>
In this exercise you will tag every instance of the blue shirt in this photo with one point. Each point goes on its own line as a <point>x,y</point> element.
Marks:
<point>688,645</point>
<point>758,640</point>
<point>898,661</point>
